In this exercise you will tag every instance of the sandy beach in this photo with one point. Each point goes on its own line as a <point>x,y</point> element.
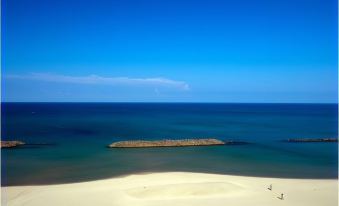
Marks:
<point>178,188</point>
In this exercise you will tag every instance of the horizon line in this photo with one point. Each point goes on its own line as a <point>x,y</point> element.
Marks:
<point>136,102</point>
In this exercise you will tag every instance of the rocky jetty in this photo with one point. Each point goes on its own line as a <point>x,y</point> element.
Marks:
<point>10,144</point>
<point>305,140</point>
<point>166,143</point>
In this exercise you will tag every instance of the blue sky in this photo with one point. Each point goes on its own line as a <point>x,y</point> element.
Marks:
<point>169,50</point>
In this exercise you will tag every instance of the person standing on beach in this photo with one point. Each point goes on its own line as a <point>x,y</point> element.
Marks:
<point>270,187</point>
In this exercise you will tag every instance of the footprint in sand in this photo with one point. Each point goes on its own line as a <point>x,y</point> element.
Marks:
<point>183,190</point>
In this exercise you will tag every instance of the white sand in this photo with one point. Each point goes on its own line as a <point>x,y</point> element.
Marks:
<point>178,188</point>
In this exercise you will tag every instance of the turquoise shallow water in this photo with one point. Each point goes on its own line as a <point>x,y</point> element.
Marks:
<point>79,132</point>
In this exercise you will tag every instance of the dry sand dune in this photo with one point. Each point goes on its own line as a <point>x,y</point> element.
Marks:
<point>178,188</point>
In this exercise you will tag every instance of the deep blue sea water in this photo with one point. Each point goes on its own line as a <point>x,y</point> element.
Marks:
<point>79,132</point>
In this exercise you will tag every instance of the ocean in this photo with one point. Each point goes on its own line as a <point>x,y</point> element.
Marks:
<point>67,141</point>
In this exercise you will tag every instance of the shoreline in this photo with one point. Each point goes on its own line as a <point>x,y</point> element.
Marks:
<point>156,172</point>
<point>175,188</point>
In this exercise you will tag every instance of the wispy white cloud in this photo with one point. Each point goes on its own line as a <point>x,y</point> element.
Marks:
<point>100,80</point>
